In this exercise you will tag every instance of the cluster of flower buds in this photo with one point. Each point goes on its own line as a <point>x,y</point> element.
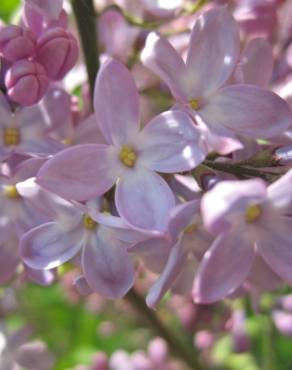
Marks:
<point>38,51</point>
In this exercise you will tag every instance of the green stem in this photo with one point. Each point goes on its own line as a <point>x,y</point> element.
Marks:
<point>87,25</point>
<point>179,348</point>
<point>268,353</point>
<point>241,171</point>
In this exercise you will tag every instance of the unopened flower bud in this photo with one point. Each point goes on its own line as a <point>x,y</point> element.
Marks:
<point>57,51</point>
<point>16,43</point>
<point>26,82</point>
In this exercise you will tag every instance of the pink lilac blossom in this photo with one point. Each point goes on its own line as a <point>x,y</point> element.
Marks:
<point>167,144</point>
<point>249,219</point>
<point>199,85</point>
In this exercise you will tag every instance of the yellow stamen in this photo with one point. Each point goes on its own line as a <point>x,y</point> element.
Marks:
<point>253,213</point>
<point>89,223</point>
<point>128,156</point>
<point>189,229</point>
<point>194,103</point>
<point>11,192</point>
<point>11,136</point>
<point>68,141</point>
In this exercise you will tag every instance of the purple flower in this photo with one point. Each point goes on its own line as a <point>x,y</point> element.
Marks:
<point>105,263</point>
<point>182,245</point>
<point>199,84</point>
<point>25,131</point>
<point>250,219</point>
<point>169,143</point>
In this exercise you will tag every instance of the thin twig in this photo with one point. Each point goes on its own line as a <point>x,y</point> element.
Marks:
<point>86,19</point>
<point>177,347</point>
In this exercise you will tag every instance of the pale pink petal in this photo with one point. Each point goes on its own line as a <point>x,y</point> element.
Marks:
<point>81,172</point>
<point>159,56</point>
<point>106,264</point>
<point>144,199</point>
<point>213,52</point>
<point>256,64</point>
<point>280,193</point>
<point>49,245</point>
<point>224,267</point>
<point>230,198</point>
<point>182,215</point>
<point>170,143</point>
<point>274,245</point>
<point>247,110</point>
<point>217,138</point>
<point>116,103</point>
<point>174,265</point>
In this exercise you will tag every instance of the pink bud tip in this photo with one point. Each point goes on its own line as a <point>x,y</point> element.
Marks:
<point>57,51</point>
<point>16,43</point>
<point>26,82</point>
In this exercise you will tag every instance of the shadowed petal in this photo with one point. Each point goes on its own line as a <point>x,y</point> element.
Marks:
<point>182,215</point>
<point>106,264</point>
<point>144,199</point>
<point>248,110</point>
<point>274,245</point>
<point>174,266</point>
<point>159,56</point>
<point>170,143</point>
<point>48,246</point>
<point>116,103</point>
<point>81,172</point>
<point>213,53</point>
<point>224,267</point>
<point>258,52</point>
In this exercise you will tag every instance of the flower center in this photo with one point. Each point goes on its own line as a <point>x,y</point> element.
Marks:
<point>89,223</point>
<point>194,103</point>
<point>128,156</point>
<point>11,192</point>
<point>253,213</point>
<point>189,229</point>
<point>11,136</point>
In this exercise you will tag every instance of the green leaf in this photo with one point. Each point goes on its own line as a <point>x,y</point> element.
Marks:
<point>8,9</point>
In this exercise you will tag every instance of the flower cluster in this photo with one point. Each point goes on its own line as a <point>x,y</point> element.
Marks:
<point>191,191</point>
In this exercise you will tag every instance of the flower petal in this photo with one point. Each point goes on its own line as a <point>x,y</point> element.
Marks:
<point>81,172</point>
<point>106,264</point>
<point>144,199</point>
<point>280,193</point>
<point>274,245</point>
<point>213,52</point>
<point>182,215</point>
<point>247,110</point>
<point>228,198</point>
<point>159,56</point>
<point>174,266</point>
<point>116,103</point>
<point>224,267</point>
<point>48,246</point>
<point>170,143</point>
<point>258,52</point>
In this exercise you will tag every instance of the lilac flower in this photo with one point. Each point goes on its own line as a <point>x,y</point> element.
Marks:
<point>249,219</point>
<point>106,266</point>
<point>184,244</point>
<point>169,143</point>
<point>25,131</point>
<point>198,85</point>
